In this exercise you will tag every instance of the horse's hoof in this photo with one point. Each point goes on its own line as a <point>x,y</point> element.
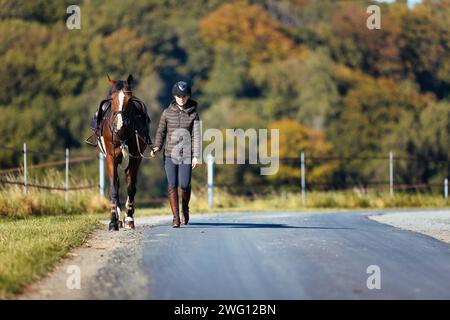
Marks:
<point>129,223</point>
<point>113,226</point>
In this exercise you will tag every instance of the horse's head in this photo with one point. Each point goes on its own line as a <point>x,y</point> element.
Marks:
<point>121,93</point>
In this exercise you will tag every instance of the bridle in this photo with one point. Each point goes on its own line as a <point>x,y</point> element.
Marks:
<point>123,113</point>
<point>125,123</point>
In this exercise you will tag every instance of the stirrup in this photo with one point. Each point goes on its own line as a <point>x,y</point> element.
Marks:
<point>89,142</point>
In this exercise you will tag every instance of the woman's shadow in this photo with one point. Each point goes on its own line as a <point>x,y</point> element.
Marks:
<point>256,225</point>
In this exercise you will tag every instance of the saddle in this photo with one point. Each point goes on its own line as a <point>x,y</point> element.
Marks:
<point>141,123</point>
<point>142,119</point>
<point>101,114</point>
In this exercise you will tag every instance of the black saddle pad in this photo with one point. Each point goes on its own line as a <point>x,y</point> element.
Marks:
<point>141,120</point>
<point>101,114</point>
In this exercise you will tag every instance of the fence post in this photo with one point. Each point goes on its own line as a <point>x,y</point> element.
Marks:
<point>101,184</point>
<point>391,173</point>
<point>303,182</point>
<point>25,167</point>
<point>446,188</point>
<point>67,177</point>
<point>210,180</point>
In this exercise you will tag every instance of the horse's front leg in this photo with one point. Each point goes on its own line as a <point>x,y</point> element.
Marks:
<point>111,167</point>
<point>131,175</point>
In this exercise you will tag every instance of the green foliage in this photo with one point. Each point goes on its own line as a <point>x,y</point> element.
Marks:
<point>318,90</point>
<point>229,75</point>
<point>43,11</point>
<point>251,64</point>
<point>426,48</point>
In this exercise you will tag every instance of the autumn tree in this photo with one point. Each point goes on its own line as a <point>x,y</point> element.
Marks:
<point>295,138</point>
<point>375,51</point>
<point>375,117</point>
<point>247,27</point>
<point>425,47</point>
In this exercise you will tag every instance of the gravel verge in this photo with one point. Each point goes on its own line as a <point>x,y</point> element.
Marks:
<point>434,223</point>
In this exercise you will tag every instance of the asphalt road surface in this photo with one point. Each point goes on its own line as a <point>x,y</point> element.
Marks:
<point>293,256</point>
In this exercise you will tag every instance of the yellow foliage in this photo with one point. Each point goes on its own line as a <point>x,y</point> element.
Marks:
<point>295,138</point>
<point>247,27</point>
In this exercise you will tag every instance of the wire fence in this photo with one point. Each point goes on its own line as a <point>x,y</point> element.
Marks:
<point>25,168</point>
<point>391,166</point>
<point>300,182</point>
<point>47,164</point>
<point>46,187</point>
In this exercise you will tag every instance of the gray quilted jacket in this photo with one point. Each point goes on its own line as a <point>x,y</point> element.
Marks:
<point>176,142</point>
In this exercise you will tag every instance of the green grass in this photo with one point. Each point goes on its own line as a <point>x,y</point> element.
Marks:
<point>14,202</point>
<point>30,246</point>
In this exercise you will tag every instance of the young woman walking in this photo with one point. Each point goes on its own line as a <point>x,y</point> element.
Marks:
<point>179,134</point>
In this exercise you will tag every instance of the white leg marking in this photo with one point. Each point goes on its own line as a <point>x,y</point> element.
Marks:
<point>119,212</point>
<point>129,204</point>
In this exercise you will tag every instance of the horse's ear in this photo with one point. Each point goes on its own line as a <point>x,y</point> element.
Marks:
<point>130,79</point>
<point>111,81</point>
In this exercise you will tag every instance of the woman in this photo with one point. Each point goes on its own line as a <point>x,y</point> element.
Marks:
<point>179,132</point>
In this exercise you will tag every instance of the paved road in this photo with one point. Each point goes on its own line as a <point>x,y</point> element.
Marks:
<point>293,256</point>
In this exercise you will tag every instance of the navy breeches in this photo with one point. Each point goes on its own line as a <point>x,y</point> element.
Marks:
<point>178,172</point>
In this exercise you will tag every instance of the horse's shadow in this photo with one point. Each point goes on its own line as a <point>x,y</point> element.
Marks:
<point>258,226</point>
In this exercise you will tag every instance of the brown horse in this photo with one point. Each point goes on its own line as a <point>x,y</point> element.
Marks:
<point>120,142</point>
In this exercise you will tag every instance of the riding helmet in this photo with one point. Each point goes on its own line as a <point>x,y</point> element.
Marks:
<point>181,88</point>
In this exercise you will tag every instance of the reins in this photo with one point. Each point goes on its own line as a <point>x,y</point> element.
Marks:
<point>138,145</point>
<point>113,131</point>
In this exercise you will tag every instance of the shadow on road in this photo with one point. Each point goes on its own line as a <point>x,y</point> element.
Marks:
<point>255,225</point>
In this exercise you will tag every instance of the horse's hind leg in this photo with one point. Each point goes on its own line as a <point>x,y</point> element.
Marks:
<point>131,174</point>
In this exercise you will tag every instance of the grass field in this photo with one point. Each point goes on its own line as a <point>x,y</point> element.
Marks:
<point>30,246</point>
<point>14,202</point>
